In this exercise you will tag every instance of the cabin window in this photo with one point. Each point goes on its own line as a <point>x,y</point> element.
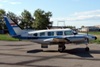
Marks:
<point>50,33</point>
<point>68,33</point>
<point>35,34</point>
<point>42,34</point>
<point>59,32</point>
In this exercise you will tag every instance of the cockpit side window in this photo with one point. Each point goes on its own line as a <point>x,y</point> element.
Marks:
<point>68,33</point>
<point>35,34</point>
<point>42,34</point>
<point>59,32</point>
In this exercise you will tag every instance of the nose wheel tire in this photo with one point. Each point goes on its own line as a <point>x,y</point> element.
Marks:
<point>87,49</point>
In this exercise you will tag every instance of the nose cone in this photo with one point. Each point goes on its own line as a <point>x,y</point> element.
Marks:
<point>95,38</point>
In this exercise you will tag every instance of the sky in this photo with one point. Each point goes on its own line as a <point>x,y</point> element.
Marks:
<point>64,12</point>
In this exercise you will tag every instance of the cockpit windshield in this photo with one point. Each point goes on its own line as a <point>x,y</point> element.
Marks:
<point>68,33</point>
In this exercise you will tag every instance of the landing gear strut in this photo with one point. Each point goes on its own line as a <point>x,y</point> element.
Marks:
<point>61,47</point>
<point>87,48</point>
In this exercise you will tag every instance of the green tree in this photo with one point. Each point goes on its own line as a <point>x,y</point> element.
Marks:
<point>26,19</point>
<point>82,26</point>
<point>2,24</point>
<point>71,27</point>
<point>12,16</point>
<point>42,19</point>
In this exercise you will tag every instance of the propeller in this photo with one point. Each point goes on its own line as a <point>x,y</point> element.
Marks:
<point>87,31</point>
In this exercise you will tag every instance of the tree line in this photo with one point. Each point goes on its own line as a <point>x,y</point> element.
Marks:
<point>39,20</point>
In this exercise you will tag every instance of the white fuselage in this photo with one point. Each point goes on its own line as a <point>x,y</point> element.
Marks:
<point>48,36</point>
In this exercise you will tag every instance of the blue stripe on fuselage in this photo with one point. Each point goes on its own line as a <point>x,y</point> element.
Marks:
<point>45,37</point>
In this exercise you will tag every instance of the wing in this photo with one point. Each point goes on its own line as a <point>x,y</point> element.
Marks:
<point>57,40</point>
<point>67,39</point>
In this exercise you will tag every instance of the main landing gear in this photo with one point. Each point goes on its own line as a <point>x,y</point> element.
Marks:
<point>61,47</point>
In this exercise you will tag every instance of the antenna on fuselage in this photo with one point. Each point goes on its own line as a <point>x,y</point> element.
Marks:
<point>47,28</point>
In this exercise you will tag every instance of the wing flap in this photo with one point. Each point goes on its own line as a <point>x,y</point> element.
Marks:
<point>60,40</point>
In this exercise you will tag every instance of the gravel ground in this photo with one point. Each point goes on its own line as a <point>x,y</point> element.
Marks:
<point>28,54</point>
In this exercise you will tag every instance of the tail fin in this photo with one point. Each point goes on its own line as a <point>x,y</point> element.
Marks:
<point>12,27</point>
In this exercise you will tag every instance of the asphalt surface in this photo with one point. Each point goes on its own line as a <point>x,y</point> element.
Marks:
<point>28,54</point>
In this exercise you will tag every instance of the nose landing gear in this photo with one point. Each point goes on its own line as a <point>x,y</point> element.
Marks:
<point>87,42</point>
<point>87,49</point>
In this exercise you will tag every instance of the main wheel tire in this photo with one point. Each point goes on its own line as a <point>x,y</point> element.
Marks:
<point>60,50</point>
<point>61,47</point>
<point>64,47</point>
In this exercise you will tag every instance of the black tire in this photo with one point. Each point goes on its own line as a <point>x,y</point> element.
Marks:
<point>87,49</point>
<point>60,50</point>
<point>61,47</point>
<point>64,47</point>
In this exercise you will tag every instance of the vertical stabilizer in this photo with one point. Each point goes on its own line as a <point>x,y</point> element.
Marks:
<point>13,28</point>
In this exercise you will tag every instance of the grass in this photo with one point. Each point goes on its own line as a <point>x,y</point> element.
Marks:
<point>97,34</point>
<point>7,37</point>
<point>95,41</point>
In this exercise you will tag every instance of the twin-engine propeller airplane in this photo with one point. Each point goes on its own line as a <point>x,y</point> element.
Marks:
<point>47,37</point>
